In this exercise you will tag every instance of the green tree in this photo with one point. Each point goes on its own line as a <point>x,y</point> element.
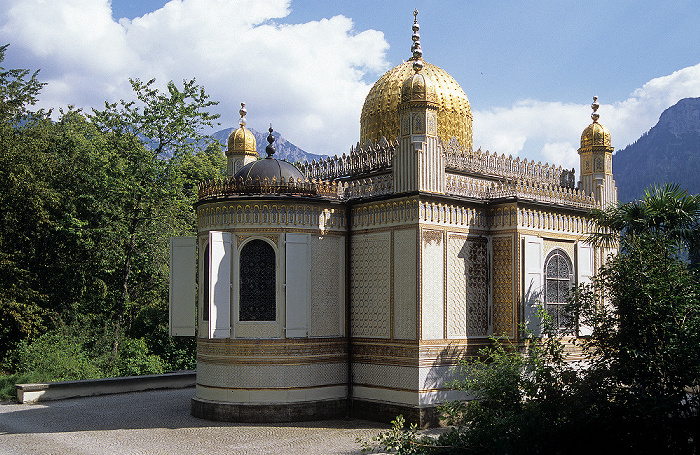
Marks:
<point>666,211</point>
<point>17,92</point>
<point>150,138</point>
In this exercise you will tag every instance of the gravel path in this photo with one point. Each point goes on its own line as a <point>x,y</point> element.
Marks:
<point>158,422</point>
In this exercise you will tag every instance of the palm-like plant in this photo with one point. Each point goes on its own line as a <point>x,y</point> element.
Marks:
<point>665,211</point>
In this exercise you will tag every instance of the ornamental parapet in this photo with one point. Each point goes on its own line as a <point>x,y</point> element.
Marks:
<point>368,187</point>
<point>231,186</point>
<point>490,164</point>
<point>372,158</point>
<point>457,185</point>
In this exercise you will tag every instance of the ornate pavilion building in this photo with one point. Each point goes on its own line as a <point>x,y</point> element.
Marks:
<point>353,285</point>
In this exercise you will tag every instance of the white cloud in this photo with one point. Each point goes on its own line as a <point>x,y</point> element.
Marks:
<point>307,79</point>
<point>550,132</point>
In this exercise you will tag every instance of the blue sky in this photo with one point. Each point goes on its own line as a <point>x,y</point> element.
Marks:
<point>529,69</point>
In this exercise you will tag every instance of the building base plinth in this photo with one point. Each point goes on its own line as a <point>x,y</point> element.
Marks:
<point>268,413</point>
<point>423,416</point>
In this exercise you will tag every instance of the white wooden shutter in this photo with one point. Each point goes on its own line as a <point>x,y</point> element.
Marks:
<point>533,282</point>
<point>219,299</point>
<point>585,269</point>
<point>183,296</point>
<point>298,285</point>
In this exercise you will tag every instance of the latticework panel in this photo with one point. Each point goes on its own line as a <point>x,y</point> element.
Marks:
<point>370,292</point>
<point>467,289</point>
<point>503,286</point>
<point>326,286</point>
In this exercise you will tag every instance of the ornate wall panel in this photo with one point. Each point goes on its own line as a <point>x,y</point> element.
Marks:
<point>467,286</point>
<point>548,245</point>
<point>326,286</point>
<point>405,289</point>
<point>432,285</point>
<point>370,292</point>
<point>503,301</point>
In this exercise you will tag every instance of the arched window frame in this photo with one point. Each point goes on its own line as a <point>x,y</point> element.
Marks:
<point>557,285</point>
<point>272,269</point>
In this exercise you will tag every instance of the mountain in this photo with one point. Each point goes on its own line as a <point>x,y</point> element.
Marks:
<point>284,150</point>
<point>668,153</point>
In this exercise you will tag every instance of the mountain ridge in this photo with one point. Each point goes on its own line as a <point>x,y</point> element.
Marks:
<point>284,150</point>
<point>668,153</point>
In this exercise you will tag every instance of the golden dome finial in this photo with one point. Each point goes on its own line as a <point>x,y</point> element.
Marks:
<point>242,140</point>
<point>415,48</point>
<point>595,115</point>
<point>243,111</point>
<point>595,134</point>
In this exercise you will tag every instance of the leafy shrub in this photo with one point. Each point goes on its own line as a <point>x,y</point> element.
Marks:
<point>56,356</point>
<point>134,359</point>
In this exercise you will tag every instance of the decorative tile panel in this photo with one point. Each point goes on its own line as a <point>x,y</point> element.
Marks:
<point>370,292</point>
<point>503,302</point>
<point>467,288</point>
<point>432,285</point>
<point>326,286</point>
<point>405,289</point>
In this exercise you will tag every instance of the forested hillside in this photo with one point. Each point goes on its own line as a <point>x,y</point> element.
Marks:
<point>668,153</point>
<point>86,210</point>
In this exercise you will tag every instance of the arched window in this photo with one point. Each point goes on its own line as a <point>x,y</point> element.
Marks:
<point>558,279</point>
<point>258,296</point>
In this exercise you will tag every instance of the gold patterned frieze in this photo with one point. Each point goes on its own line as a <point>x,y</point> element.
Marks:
<point>434,353</point>
<point>384,213</point>
<point>451,214</point>
<point>365,350</point>
<point>449,352</point>
<point>263,214</point>
<point>537,219</point>
<point>286,351</point>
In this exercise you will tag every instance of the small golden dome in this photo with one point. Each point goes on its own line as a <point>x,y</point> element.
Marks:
<point>595,134</point>
<point>242,140</point>
<point>380,113</point>
<point>418,88</point>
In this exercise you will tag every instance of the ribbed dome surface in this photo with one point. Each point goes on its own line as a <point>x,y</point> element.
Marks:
<point>595,135</point>
<point>269,168</point>
<point>380,112</point>
<point>242,140</point>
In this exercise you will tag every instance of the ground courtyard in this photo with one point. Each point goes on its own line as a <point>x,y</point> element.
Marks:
<point>159,421</point>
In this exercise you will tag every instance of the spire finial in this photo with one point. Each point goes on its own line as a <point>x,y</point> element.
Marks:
<point>270,139</point>
<point>415,49</point>
<point>595,105</point>
<point>243,111</point>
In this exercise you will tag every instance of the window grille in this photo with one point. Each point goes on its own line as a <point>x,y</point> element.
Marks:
<point>558,278</point>
<point>257,282</point>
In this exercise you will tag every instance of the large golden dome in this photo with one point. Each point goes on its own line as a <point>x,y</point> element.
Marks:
<point>380,113</point>
<point>595,134</point>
